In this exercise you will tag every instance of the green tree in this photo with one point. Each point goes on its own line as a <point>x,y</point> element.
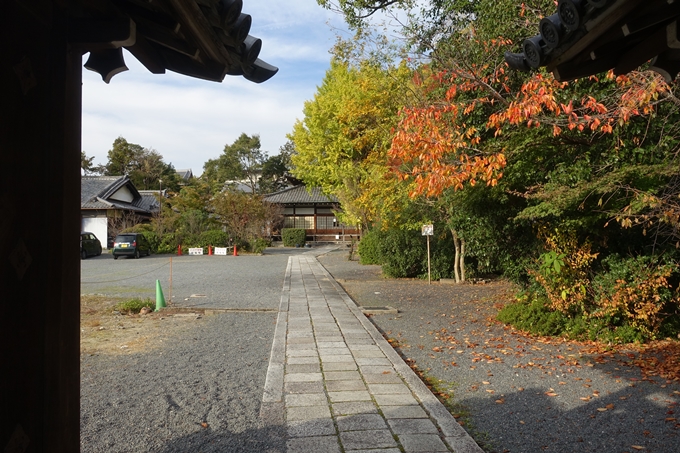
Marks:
<point>242,161</point>
<point>342,141</point>
<point>86,164</point>
<point>246,216</point>
<point>275,170</point>
<point>145,167</point>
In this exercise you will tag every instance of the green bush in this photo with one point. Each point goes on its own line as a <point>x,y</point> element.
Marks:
<point>369,247</point>
<point>134,305</point>
<point>215,238</point>
<point>534,316</point>
<point>403,254</point>
<point>258,245</point>
<point>293,237</point>
<point>168,243</point>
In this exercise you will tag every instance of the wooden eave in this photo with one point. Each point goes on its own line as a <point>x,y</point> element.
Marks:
<point>206,39</point>
<point>615,34</point>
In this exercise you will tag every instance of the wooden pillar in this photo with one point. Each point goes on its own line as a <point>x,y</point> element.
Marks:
<point>39,204</point>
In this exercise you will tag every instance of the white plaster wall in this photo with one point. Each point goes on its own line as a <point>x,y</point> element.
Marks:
<point>98,226</point>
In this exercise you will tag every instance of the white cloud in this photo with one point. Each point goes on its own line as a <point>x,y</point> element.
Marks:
<point>189,120</point>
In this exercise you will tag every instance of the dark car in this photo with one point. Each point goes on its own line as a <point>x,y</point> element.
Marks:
<point>89,245</point>
<point>131,244</point>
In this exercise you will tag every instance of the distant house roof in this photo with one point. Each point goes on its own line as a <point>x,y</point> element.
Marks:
<point>150,199</point>
<point>112,192</point>
<point>300,195</point>
<point>185,173</point>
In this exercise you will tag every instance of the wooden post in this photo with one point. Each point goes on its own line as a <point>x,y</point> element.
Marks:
<point>428,261</point>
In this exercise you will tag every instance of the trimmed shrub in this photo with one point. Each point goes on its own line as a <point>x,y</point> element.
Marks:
<point>293,237</point>
<point>258,245</point>
<point>403,254</point>
<point>215,238</point>
<point>369,248</point>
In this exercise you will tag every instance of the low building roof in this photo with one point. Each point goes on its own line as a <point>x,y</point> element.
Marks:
<point>301,195</point>
<point>96,192</point>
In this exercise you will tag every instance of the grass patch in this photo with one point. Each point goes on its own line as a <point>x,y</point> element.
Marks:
<point>132,306</point>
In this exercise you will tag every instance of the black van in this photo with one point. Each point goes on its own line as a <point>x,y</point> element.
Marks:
<point>130,244</point>
<point>89,245</point>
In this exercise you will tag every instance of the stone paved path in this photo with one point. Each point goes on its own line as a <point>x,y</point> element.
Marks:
<point>338,386</point>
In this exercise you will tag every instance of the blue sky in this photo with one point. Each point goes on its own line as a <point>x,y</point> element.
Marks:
<point>188,120</point>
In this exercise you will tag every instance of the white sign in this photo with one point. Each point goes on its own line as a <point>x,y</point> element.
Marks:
<point>220,250</point>
<point>196,251</point>
<point>428,230</point>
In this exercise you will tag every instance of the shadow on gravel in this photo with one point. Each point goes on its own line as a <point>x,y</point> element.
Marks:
<point>530,421</point>
<point>265,440</point>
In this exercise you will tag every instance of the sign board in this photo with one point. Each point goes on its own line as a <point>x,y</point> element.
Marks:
<point>428,230</point>
<point>220,250</point>
<point>196,251</point>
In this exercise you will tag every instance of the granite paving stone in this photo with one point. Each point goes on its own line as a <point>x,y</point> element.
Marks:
<point>378,450</point>
<point>368,353</point>
<point>297,413</point>
<point>339,366</point>
<point>340,375</point>
<point>395,400</point>
<point>422,443</point>
<point>373,361</point>
<point>310,428</point>
<point>300,360</point>
<point>360,422</point>
<point>382,378</point>
<point>306,399</point>
<point>356,440</point>
<point>354,407</point>
<point>325,444</point>
<point>303,387</point>
<point>303,368</point>
<point>302,377</point>
<point>388,389</point>
<point>302,353</point>
<point>354,395</point>
<point>412,426</point>
<point>403,412</point>
<point>336,358</point>
<point>339,386</point>
<point>377,369</point>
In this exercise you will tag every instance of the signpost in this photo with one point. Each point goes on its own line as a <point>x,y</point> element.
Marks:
<point>428,230</point>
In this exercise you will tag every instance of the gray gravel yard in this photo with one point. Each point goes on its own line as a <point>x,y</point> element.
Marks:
<point>200,389</point>
<point>199,393</point>
<point>248,281</point>
<point>515,393</point>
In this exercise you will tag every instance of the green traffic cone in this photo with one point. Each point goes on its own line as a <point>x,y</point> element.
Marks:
<point>160,300</point>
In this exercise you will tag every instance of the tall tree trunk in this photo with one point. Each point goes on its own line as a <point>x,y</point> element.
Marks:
<point>456,244</point>
<point>461,261</point>
<point>459,258</point>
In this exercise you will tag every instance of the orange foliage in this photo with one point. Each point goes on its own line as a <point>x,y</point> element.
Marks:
<point>636,94</point>
<point>439,145</point>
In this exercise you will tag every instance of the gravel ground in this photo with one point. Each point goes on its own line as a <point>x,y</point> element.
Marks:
<point>200,391</point>
<point>197,281</point>
<point>515,393</point>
